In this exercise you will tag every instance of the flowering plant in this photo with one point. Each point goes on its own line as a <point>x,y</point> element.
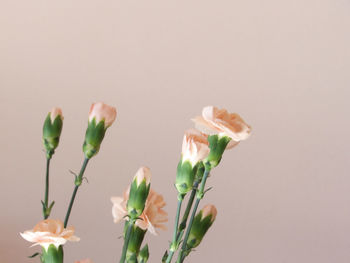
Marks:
<point>141,207</point>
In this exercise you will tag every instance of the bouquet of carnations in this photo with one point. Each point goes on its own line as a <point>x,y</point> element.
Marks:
<point>140,206</point>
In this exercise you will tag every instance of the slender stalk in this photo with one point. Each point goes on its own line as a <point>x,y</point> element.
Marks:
<point>126,240</point>
<point>184,242</point>
<point>183,223</point>
<point>78,182</point>
<point>188,208</point>
<point>173,245</point>
<point>46,200</point>
<point>199,197</point>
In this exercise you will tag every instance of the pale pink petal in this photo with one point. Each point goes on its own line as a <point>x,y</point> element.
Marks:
<point>118,209</point>
<point>209,210</point>
<point>219,121</point>
<point>144,173</point>
<point>54,113</point>
<point>194,147</point>
<point>48,232</point>
<point>101,111</point>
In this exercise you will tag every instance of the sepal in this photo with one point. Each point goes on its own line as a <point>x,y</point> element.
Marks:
<point>51,134</point>
<point>143,255</point>
<point>185,176</point>
<point>52,254</point>
<point>34,255</point>
<point>94,135</point>
<point>217,146</point>
<point>137,198</point>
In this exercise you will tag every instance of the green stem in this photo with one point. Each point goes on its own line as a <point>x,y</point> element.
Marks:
<point>126,240</point>
<point>78,182</point>
<point>46,202</point>
<point>188,208</point>
<point>199,197</point>
<point>173,245</point>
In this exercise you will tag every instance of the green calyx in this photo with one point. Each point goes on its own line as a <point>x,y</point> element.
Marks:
<point>143,255</point>
<point>185,176</point>
<point>52,254</point>
<point>137,198</point>
<point>51,134</point>
<point>93,138</point>
<point>217,146</point>
<point>199,228</point>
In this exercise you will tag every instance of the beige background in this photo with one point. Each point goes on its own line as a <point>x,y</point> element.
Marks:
<point>283,195</point>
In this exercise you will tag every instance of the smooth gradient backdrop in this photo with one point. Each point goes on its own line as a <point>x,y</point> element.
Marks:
<point>283,196</point>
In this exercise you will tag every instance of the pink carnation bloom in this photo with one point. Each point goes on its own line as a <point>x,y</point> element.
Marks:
<point>49,232</point>
<point>219,121</point>
<point>153,216</point>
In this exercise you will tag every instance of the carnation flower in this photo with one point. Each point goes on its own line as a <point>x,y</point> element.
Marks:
<point>152,217</point>
<point>219,121</point>
<point>49,232</point>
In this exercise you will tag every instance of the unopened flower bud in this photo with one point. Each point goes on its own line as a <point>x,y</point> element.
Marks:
<point>101,117</point>
<point>139,190</point>
<point>194,150</point>
<point>185,176</point>
<point>143,255</point>
<point>202,222</point>
<point>52,130</point>
<point>225,131</point>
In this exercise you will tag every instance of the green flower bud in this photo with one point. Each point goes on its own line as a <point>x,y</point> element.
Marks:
<point>194,150</point>
<point>202,222</point>
<point>144,255</point>
<point>101,116</point>
<point>185,176</point>
<point>217,146</point>
<point>165,256</point>
<point>52,130</point>
<point>139,190</point>
<point>93,138</point>
<point>52,254</point>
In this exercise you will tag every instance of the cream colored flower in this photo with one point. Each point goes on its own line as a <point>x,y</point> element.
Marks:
<point>153,216</point>
<point>54,113</point>
<point>194,146</point>
<point>209,210</point>
<point>219,121</point>
<point>101,111</point>
<point>84,261</point>
<point>49,232</point>
<point>144,173</point>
